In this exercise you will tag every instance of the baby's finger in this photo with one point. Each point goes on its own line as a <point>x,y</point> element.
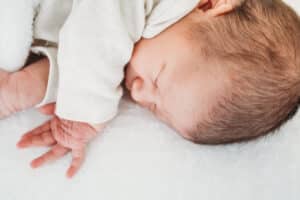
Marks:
<point>55,153</point>
<point>42,128</point>
<point>33,140</point>
<point>77,160</point>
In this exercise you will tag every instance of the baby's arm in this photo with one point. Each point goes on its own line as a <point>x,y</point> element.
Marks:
<point>96,42</point>
<point>95,45</point>
<point>23,89</point>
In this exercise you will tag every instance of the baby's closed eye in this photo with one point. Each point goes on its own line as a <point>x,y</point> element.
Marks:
<point>158,76</point>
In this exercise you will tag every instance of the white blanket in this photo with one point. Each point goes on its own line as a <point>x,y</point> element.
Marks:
<point>138,158</point>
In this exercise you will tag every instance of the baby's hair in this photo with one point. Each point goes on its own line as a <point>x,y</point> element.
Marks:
<point>258,45</point>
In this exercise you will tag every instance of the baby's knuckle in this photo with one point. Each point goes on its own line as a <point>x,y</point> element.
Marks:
<point>59,150</point>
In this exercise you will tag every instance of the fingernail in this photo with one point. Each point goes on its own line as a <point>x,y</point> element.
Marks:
<point>33,164</point>
<point>69,176</point>
<point>20,145</point>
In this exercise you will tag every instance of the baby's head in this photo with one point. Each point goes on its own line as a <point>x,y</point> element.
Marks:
<point>221,79</point>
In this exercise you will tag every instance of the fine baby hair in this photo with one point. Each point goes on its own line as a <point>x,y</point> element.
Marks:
<point>258,46</point>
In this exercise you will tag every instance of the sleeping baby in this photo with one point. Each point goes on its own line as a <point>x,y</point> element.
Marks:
<point>216,71</point>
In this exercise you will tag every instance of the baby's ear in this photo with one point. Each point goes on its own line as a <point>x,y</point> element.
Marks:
<point>218,7</point>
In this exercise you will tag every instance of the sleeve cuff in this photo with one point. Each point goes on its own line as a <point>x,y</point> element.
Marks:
<point>51,92</point>
<point>88,109</point>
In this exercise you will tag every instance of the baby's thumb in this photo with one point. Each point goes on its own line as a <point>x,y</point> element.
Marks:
<point>48,109</point>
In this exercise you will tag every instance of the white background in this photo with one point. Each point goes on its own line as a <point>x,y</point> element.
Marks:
<point>294,3</point>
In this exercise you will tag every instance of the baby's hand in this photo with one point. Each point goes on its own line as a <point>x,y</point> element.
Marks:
<point>62,136</point>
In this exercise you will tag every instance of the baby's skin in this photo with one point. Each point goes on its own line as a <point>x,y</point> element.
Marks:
<point>16,92</point>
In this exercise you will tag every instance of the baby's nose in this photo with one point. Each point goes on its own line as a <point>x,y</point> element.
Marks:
<point>140,93</point>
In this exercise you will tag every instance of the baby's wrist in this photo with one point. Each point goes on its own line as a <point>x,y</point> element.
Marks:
<point>99,126</point>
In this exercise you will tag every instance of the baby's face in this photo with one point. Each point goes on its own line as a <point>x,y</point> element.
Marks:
<point>167,75</point>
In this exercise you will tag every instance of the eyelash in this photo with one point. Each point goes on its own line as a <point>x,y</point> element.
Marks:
<point>155,81</point>
<point>158,75</point>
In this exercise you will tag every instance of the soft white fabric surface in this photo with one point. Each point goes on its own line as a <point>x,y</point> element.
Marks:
<point>138,158</point>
